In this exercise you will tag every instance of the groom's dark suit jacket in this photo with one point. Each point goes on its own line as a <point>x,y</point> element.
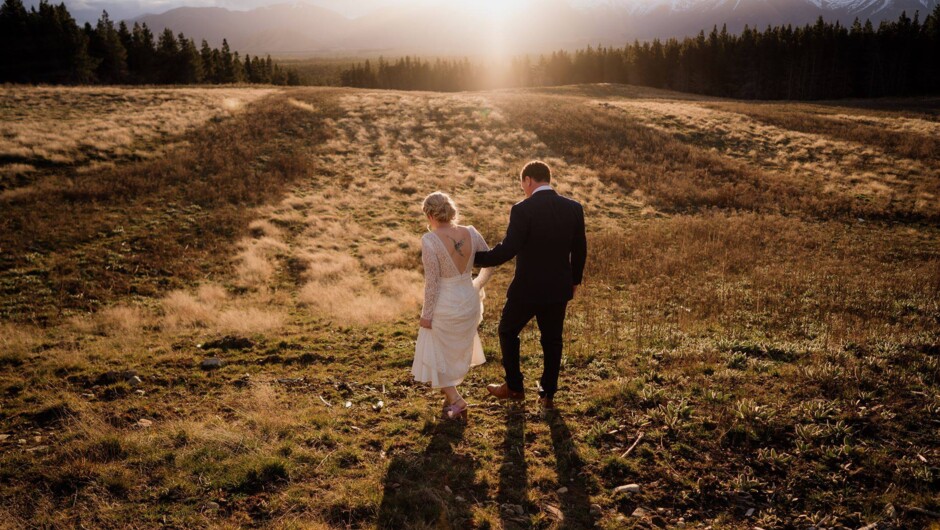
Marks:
<point>546,236</point>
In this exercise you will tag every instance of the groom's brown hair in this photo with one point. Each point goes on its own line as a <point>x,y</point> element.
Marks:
<point>537,171</point>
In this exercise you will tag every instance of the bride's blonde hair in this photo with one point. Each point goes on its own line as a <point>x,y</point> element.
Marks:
<point>440,207</point>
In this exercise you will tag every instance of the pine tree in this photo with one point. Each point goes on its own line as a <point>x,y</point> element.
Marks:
<point>106,45</point>
<point>59,51</point>
<point>167,58</point>
<point>226,72</point>
<point>293,78</point>
<point>238,69</point>
<point>16,43</point>
<point>190,62</point>
<point>932,38</point>
<point>210,69</point>
<point>250,75</point>
<point>141,55</point>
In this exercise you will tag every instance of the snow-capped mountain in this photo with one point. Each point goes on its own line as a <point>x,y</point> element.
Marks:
<point>862,8</point>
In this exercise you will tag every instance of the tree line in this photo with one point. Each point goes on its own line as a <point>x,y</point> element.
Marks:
<point>46,45</point>
<point>816,61</point>
<point>443,75</point>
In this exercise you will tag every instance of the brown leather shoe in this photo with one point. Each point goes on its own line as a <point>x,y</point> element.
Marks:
<point>504,392</point>
<point>546,403</point>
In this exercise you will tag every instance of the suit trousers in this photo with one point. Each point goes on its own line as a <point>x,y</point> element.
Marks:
<point>551,320</point>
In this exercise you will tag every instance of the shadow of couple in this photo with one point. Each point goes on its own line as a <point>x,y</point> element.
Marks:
<point>416,484</point>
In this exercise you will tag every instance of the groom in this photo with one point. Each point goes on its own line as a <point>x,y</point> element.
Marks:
<point>546,236</point>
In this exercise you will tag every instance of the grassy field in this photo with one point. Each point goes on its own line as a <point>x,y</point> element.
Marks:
<point>757,343</point>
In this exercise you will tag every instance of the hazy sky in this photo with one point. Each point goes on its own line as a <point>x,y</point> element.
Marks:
<point>121,9</point>
<point>131,8</point>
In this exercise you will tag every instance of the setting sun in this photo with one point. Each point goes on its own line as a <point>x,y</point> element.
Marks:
<point>495,8</point>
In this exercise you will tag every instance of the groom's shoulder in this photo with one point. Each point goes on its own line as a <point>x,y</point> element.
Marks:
<point>569,201</point>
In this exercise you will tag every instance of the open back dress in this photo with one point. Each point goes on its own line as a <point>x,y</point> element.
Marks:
<point>453,302</point>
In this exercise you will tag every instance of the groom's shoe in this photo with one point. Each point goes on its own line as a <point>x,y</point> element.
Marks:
<point>504,392</point>
<point>546,403</point>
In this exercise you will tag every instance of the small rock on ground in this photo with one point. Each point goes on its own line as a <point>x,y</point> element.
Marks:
<point>554,512</point>
<point>628,488</point>
<point>211,363</point>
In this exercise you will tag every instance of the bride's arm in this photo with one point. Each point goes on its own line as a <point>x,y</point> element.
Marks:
<point>483,278</point>
<point>432,284</point>
<point>486,273</point>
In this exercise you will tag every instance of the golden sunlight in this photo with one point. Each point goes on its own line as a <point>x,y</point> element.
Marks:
<point>497,9</point>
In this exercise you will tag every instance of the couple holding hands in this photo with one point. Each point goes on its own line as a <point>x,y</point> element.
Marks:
<point>546,235</point>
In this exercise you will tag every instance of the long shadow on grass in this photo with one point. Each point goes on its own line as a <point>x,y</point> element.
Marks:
<point>414,494</point>
<point>576,502</point>
<point>513,473</point>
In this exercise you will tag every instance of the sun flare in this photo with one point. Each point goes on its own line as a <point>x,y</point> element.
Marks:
<point>494,9</point>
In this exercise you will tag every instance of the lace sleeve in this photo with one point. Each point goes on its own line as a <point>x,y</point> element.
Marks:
<point>432,276</point>
<point>480,244</point>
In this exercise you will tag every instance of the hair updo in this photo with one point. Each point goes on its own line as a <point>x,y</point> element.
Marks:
<point>440,207</point>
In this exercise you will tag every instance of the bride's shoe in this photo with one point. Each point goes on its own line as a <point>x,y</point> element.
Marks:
<point>455,412</point>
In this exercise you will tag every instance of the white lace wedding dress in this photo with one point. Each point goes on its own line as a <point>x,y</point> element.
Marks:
<point>453,301</point>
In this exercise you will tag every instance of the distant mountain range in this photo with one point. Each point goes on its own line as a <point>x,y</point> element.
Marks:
<point>448,29</point>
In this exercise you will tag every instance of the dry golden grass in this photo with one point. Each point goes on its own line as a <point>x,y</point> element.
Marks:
<point>42,126</point>
<point>138,221</point>
<point>16,342</point>
<point>903,134</point>
<point>777,352</point>
<point>344,236</point>
<point>849,169</point>
<point>915,126</point>
<point>182,309</point>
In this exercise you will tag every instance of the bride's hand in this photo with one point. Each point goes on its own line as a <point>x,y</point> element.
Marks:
<point>425,323</point>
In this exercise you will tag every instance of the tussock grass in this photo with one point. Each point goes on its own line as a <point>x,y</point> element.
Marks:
<point>54,126</point>
<point>154,225</point>
<point>778,353</point>
<point>846,169</point>
<point>675,155</point>
<point>912,136</point>
<point>16,342</point>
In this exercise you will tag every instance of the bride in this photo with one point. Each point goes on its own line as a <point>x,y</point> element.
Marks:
<point>448,343</point>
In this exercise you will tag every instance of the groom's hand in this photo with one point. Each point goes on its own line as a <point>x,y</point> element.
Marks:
<point>574,291</point>
<point>425,323</point>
